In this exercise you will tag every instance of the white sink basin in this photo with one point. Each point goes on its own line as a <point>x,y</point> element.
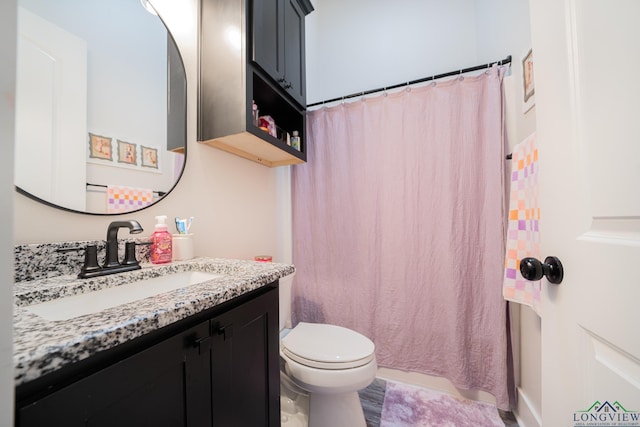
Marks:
<point>94,302</point>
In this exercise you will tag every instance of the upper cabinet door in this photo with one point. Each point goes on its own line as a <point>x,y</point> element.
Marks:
<point>268,35</point>
<point>294,68</point>
<point>278,43</point>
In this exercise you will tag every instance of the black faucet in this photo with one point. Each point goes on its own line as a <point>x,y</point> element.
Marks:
<point>111,250</point>
<point>111,263</point>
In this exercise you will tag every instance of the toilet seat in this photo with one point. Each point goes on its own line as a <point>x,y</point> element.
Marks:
<point>327,346</point>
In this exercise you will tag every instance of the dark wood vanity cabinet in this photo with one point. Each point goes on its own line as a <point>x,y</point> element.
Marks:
<point>252,51</point>
<point>222,371</point>
<point>148,388</point>
<point>245,367</point>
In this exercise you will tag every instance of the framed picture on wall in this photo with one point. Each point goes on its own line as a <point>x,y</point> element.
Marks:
<point>149,158</point>
<point>127,153</point>
<point>100,147</point>
<point>528,82</point>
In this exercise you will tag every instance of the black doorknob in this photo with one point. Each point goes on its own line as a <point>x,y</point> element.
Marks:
<point>532,269</point>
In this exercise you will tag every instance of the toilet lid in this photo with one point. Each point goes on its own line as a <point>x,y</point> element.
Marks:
<point>327,346</point>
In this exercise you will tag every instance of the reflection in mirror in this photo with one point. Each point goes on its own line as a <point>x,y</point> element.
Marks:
<point>100,105</point>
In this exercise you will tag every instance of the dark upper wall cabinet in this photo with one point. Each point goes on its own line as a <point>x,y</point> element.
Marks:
<point>252,50</point>
<point>278,42</point>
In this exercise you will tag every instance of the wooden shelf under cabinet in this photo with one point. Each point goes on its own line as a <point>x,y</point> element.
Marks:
<point>252,147</point>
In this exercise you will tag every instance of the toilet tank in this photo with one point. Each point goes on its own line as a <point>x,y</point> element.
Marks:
<point>285,288</point>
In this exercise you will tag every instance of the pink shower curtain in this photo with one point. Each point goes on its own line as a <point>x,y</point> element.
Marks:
<point>398,232</point>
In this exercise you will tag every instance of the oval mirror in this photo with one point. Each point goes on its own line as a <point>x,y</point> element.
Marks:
<point>100,105</point>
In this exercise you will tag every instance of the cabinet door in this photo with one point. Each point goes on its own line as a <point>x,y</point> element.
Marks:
<point>150,388</point>
<point>294,54</point>
<point>278,43</point>
<point>268,34</point>
<point>245,365</point>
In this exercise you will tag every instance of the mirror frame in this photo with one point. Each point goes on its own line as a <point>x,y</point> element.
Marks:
<point>186,143</point>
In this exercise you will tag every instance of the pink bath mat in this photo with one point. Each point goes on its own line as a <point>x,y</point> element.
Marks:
<point>408,406</point>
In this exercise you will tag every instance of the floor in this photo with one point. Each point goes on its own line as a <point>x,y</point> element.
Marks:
<point>372,399</point>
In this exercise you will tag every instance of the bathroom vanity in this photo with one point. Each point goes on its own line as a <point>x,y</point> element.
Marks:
<point>205,354</point>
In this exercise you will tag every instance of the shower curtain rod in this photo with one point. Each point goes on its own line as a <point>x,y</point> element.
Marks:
<point>504,61</point>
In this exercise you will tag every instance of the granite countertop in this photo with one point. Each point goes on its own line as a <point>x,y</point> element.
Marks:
<point>41,346</point>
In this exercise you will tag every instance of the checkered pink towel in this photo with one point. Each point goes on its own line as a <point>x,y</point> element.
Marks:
<point>523,236</point>
<point>126,199</point>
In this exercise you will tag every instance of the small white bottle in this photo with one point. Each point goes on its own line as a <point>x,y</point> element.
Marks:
<point>295,140</point>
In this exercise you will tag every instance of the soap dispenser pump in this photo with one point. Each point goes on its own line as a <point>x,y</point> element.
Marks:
<point>161,242</point>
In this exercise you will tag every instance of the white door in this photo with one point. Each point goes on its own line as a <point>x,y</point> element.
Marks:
<point>51,112</point>
<point>586,61</point>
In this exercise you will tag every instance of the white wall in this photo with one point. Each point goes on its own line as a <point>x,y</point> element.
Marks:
<point>233,200</point>
<point>359,45</point>
<point>503,27</point>
<point>7,94</point>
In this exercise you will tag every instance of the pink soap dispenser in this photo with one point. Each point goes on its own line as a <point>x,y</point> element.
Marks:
<point>161,242</point>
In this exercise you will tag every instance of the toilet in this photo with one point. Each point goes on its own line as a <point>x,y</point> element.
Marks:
<point>322,368</point>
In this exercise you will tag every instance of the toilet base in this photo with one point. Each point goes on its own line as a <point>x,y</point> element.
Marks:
<point>336,410</point>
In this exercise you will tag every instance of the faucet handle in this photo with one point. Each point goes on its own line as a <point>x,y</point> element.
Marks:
<point>90,266</point>
<point>130,254</point>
